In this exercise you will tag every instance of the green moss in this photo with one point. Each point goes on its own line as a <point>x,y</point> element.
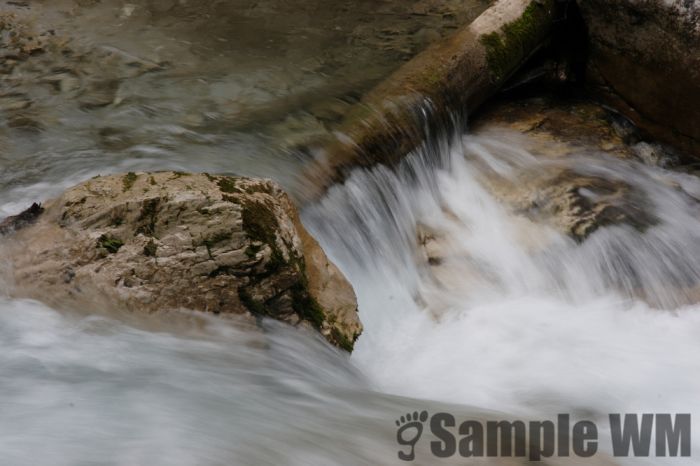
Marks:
<point>259,222</point>
<point>258,188</point>
<point>309,309</point>
<point>148,217</point>
<point>150,249</point>
<point>254,306</point>
<point>342,341</point>
<point>431,77</point>
<point>215,239</point>
<point>306,306</point>
<point>516,40</point>
<point>276,263</point>
<point>252,250</point>
<point>227,184</point>
<point>128,181</point>
<point>110,243</point>
<point>497,55</point>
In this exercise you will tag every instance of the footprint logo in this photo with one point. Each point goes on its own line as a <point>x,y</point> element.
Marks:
<point>410,429</point>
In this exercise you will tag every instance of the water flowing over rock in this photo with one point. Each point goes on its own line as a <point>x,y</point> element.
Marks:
<point>645,57</point>
<point>549,178</point>
<point>570,197</point>
<point>168,240</point>
<point>459,72</point>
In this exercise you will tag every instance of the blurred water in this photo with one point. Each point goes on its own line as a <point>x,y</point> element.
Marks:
<point>92,390</point>
<point>222,86</point>
<point>516,317</point>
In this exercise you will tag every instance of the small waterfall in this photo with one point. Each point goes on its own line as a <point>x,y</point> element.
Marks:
<point>470,306</point>
<point>380,217</point>
<point>502,312</point>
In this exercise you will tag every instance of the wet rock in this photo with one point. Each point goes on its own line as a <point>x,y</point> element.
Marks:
<point>559,191</point>
<point>63,81</point>
<point>99,94</point>
<point>24,122</point>
<point>558,126</point>
<point>656,154</point>
<point>21,220</point>
<point>11,102</point>
<point>645,60</point>
<point>580,204</point>
<point>158,241</point>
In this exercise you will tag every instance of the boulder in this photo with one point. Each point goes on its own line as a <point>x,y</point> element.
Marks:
<point>645,61</point>
<point>155,241</point>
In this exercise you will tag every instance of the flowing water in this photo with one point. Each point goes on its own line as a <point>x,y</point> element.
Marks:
<point>515,317</point>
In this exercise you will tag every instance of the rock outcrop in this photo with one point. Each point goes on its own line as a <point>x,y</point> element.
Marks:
<point>645,60</point>
<point>558,191</point>
<point>157,241</point>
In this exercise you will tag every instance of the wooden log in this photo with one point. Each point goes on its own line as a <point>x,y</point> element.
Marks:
<point>455,74</point>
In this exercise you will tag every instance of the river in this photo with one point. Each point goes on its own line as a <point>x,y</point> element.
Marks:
<point>516,319</point>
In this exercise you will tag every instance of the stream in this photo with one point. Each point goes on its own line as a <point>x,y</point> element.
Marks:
<point>516,319</point>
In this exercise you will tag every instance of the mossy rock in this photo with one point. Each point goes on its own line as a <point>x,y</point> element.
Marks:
<point>235,244</point>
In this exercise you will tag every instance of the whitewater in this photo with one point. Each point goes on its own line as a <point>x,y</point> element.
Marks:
<point>516,319</point>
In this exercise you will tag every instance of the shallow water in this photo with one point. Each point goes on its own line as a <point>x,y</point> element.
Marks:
<point>222,86</point>
<point>517,318</point>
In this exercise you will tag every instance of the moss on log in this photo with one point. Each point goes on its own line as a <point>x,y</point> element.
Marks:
<point>458,73</point>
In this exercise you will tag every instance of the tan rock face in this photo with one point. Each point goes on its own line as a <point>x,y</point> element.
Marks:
<point>645,57</point>
<point>157,241</point>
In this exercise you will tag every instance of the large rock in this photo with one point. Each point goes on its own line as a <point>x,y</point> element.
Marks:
<point>645,57</point>
<point>150,242</point>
